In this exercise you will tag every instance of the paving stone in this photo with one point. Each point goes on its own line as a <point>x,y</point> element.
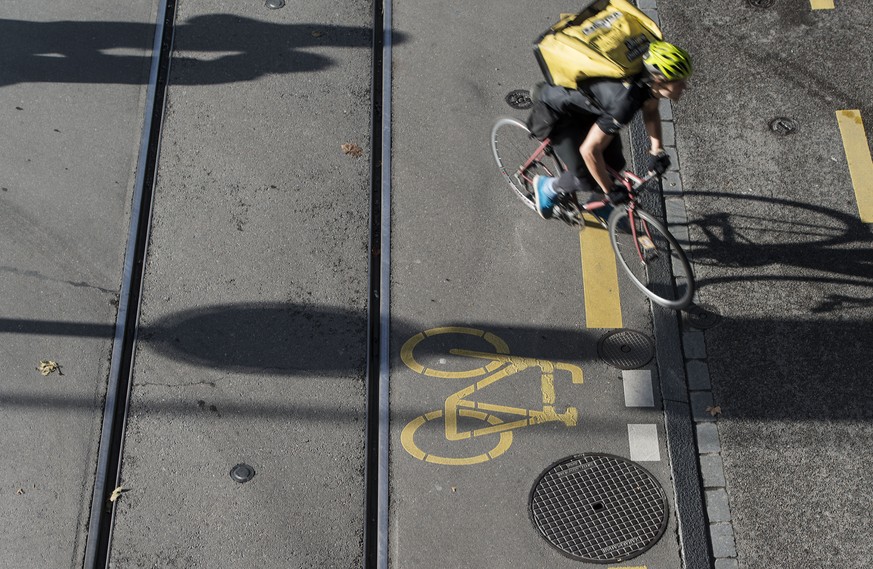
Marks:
<point>707,438</point>
<point>668,133</point>
<point>700,401</point>
<point>698,375</point>
<point>674,157</point>
<point>647,4</point>
<point>680,232</point>
<point>675,208</point>
<point>666,107</point>
<point>671,184</point>
<point>722,540</point>
<point>717,507</point>
<point>694,345</point>
<point>726,563</point>
<point>712,470</point>
<point>653,14</point>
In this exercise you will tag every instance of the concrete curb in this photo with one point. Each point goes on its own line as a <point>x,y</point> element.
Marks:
<point>704,411</point>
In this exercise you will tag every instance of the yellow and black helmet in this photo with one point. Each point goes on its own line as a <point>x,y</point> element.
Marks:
<point>665,59</point>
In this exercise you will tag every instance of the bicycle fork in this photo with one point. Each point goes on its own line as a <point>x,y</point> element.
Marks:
<point>455,402</point>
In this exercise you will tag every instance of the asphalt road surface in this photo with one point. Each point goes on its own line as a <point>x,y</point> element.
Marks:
<point>252,341</point>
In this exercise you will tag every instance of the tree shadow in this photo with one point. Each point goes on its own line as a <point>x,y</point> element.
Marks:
<point>211,49</point>
<point>824,362</point>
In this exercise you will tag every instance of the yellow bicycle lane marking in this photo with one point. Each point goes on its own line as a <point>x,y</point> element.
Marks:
<point>599,276</point>
<point>860,162</point>
<point>457,405</point>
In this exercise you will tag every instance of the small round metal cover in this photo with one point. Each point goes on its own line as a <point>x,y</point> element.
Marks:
<point>275,4</point>
<point>599,508</point>
<point>783,126</point>
<point>701,316</point>
<point>519,99</point>
<point>761,4</point>
<point>625,349</point>
<point>242,473</point>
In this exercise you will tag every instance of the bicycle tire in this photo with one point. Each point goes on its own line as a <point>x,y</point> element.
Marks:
<point>512,145</point>
<point>671,286</point>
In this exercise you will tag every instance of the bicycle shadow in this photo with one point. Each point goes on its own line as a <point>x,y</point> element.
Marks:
<point>208,50</point>
<point>784,235</point>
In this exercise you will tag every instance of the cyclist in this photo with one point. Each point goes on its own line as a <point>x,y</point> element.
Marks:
<point>583,123</point>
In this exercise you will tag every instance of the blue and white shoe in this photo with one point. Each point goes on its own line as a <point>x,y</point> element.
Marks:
<point>544,195</point>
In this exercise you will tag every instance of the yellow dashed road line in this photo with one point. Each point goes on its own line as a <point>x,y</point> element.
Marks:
<point>860,163</point>
<point>822,4</point>
<point>599,277</point>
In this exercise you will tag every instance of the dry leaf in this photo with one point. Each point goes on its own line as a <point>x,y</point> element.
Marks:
<point>454,488</point>
<point>20,491</point>
<point>317,34</point>
<point>48,366</point>
<point>117,493</point>
<point>352,150</point>
<point>714,410</point>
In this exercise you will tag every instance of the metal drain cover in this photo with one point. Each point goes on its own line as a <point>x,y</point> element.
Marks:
<point>519,99</point>
<point>599,508</point>
<point>782,126</point>
<point>625,349</point>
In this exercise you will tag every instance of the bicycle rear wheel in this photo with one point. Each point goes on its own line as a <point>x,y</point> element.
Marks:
<point>514,146</point>
<point>652,258</point>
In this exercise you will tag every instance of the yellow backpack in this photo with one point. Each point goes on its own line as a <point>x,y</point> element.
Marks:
<point>606,39</point>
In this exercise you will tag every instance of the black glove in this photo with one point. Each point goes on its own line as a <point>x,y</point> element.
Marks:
<point>617,195</point>
<point>659,163</point>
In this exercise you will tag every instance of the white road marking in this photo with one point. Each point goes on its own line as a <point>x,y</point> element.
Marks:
<point>638,388</point>
<point>643,440</point>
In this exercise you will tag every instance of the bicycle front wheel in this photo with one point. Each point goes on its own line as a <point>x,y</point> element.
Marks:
<point>651,257</point>
<point>516,152</point>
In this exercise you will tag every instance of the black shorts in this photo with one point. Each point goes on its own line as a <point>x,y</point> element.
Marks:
<point>567,137</point>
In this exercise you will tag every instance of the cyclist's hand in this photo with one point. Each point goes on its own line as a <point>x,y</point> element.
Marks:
<point>658,163</point>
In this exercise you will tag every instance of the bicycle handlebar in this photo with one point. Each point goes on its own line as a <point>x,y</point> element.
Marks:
<point>631,181</point>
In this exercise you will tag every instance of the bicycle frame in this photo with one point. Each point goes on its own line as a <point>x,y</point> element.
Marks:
<point>545,148</point>
<point>631,183</point>
<point>649,236</point>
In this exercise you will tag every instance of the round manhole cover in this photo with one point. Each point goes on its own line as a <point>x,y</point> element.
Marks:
<point>625,349</point>
<point>519,99</point>
<point>599,508</point>
<point>761,4</point>
<point>701,316</point>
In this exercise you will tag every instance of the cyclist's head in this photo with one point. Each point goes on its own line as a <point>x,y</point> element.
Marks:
<point>665,60</point>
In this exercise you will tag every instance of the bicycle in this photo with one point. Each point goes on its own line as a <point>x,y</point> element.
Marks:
<point>640,241</point>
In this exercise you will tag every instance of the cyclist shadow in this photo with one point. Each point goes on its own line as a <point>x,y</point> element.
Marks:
<point>790,237</point>
<point>796,279</point>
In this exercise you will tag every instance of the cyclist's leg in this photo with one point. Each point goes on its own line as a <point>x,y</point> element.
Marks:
<point>577,178</point>
<point>566,139</point>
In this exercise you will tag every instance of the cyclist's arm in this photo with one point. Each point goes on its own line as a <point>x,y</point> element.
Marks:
<point>652,120</point>
<point>592,153</point>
